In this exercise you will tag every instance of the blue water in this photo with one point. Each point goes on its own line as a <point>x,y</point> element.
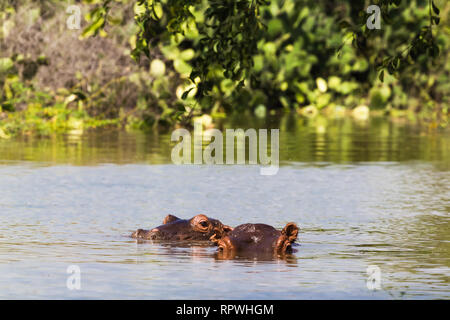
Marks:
<point>365,195</point>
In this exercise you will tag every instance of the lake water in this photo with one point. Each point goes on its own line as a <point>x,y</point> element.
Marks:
<point>369,195</point>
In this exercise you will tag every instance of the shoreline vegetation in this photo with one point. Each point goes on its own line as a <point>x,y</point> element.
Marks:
<point>57,80</point>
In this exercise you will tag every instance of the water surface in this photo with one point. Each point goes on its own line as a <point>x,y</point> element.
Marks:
<point>364,194</point>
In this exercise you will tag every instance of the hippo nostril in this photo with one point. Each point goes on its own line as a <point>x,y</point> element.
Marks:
<point>155,234</point>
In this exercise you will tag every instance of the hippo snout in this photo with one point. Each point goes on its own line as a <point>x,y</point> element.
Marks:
<point>147,234</point>
<point>154,234</point>
<point>139,233</point>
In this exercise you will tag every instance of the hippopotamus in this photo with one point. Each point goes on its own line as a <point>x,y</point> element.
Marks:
<point>255,240</point>
<point>199,227</point>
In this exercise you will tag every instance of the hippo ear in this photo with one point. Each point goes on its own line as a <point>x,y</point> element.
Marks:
<point>227,229</point>
<point>290,231</point>
<point>221,239</point>
<point>287,237</point>
<point>219,233</point>
<point>170,218</point>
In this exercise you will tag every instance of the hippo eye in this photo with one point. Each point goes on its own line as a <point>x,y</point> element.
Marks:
<point>204,223</point>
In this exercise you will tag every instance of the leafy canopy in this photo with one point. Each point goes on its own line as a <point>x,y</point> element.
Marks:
<point>227,34</point>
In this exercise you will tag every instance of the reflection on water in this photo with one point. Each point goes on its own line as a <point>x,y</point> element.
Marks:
<point>363,194</point>
<point>196,250</point>
<point>256,256</point>
<point>301,140</point>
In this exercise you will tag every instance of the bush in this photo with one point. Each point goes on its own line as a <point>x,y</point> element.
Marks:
<point>307,56</point>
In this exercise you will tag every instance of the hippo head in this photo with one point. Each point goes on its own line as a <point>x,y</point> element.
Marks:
<point>255,239</point>
<point>199,227</point>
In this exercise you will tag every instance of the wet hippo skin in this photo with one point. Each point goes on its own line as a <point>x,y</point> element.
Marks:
<point>199,227</point>
<point>255,239</point>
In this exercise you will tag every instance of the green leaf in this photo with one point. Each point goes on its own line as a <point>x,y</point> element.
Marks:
<point>6,64</point>
<point>381,76</point>
<point>93,28</point>
<point>343,24</point>
<point>185,94</point>
<point>181,108</point>
<point>435,9</point>
<point>436,20</point>
<point>434,51</point>
<point>391,68</point>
